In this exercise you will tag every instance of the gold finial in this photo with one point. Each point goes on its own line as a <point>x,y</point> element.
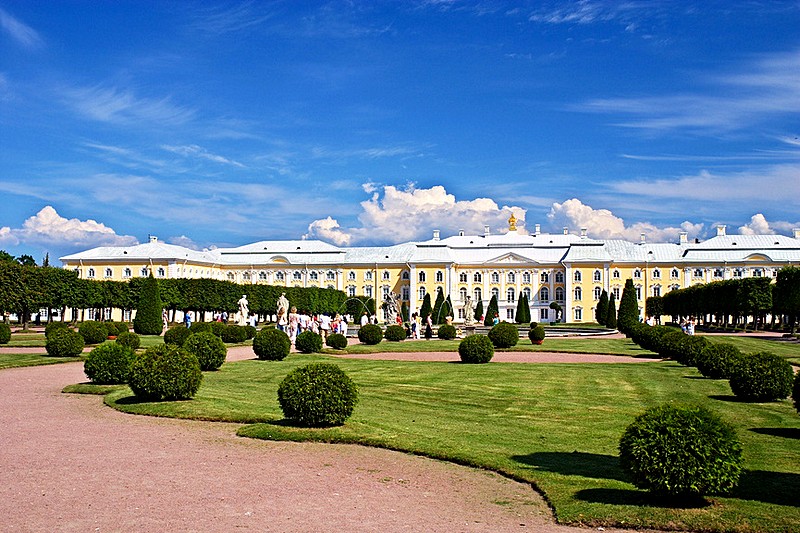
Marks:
<point>512,222</point>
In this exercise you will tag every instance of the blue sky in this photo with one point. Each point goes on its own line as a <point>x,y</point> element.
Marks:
<point>376,122</point>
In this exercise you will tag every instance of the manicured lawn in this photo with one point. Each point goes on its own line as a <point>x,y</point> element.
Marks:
<point>556,426</point>
<point>26,339</point>
<point>783,347</point>
<point>13,360</point>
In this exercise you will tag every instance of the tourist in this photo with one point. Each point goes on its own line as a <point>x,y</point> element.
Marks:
<point>364,319</point>
<point>324,326</point>
<point>187,319</point>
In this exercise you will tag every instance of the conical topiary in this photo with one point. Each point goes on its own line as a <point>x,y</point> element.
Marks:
<point>602,309</point>
<point>148,311</point>
<point>611,315</point>
<point>491,312</point>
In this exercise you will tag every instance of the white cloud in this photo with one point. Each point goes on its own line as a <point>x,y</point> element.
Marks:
<point>603,224</point>
<point>20,32</point>
<point>412,214</point>
<point>47,227</point>
<point>184,241</point>
<point>110,104</point>
<point>197,151</point>
<point>759,225</point>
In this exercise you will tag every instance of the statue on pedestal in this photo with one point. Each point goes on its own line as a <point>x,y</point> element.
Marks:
<point>469,312</point>
<point>283,310</point>
<point>244,311</point>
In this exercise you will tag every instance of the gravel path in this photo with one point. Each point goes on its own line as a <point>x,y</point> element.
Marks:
<point>68,463</point>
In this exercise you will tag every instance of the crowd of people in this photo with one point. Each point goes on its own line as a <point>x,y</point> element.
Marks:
<point>322,324</point>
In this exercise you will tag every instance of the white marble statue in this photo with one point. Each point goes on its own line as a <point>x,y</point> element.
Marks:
<point>469,312</point>
<point>244,311</point>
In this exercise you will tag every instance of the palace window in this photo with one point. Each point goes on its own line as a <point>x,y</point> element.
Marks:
<point>463,293</point>
<point>758,273</point>
<point>280,276</point>
<point>439,276</point>
<point>463,278</point>
<point>544,294</point>
<point>615,274</point>
<point>368,275</point>
<point>351,290</point>
<point>597,276</point>
<point>545,277</point>
<point>230,276</point>
<point>577,276</point>
<point>697,273</point>
<point>510,295</point>
<point>405,275</point>
<point>478,294</point>
<point>161,272</point>
<point>495,277</point>
<point>656,290</point>
<point>143,272</point>
<point>718,273</point>
<point>368,291</point>
<point>615,292</point>
<point>262,276</point>
<point>331,275</point>
<point>405,291</point>
<point>313,276</point>
<point>638,292</point>
<point>477,278</point>
<point>109,273</point>
<point>526,277</point>
<point>656,273</point>
<point>496,293</point>
<point>597,293</point>
<point>559,294</point>
<point>674,287</point>
<point>511,277</point>
<point>510,314</point>
<point>578,314</point>
<point>527,292</point>
<point>674,274</point>
<point>385,292</point>
<point>578,293</point>
<point>422,293</point>
<point>559,277</point>
<point>637,274</point>
<point>90,273</point>
<point>351,276</point>
<point>386,275</point>
<point>544,314</point>
<point>297,275</point>
<point>126,273</point>
<point>421,276</point>
<point>738,273</point>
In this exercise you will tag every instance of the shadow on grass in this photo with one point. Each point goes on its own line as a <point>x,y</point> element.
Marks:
<point>639,498</point>
<point>781,488</point>
<point>576,463</point>
<point>727,398</point>
<point>786,433</point>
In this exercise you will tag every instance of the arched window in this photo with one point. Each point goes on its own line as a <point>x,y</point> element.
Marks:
<point>351,276</point>
<point>109,273</point>
<point>496,293</point>
<point>351,290</point>
<point>368,291</point>
<point>698,273</point>
<point>577,277</point>
<point>462,278</point>
<point>331,275</point>
<point>230,276</point>
<point>477,278</point>
<point>368,275</point>
<point>615,292</point>
<point>143,272</point>
<point>578,293</point>
<point>510,295</point>
<point>439,276</point>
<point>559,277</point>
<point>405,275</point>
<point>422,293</point>
<point>526,277</point>
<point>421,276</point>
<point>161,272</point>
<point>495,277</point>
<point>615,274</point>
<point>313,276</point>
<point>674,287</point>
<point>544,294</point>
<point>578,314</point>
<point>560,294</point>
<point>674,274</point>
<point>656,273</point>
<point>477,294</point>
<point>545,277</point>
<point>637,274</point>
<point>758,273</point>
<point>656,290</point>
<point>386,275</point>
<point>511,277</point>
<point>126,273</point>
<point>597,293</point>
<point>280,276</point>
<point>297,275</point>
<point>463,293</point>
<point>527,292</point>
<point>90,273</point>
<point>638,292</point>
<point>718,273</point>
<point>262,276</point>
<point>597,276</point>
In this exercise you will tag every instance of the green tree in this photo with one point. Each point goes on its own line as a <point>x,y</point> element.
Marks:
<point>523,314</point>
<point>787,292</point>
<point>404,312</point>
<point>628,315</point>
<point>611,317</point>
<point>439,310</point>
<point>426,308</point>
<point>491,311</point>
<point>602,309</point>
<point>6,257</point>
<point>479,311</point>
<point>654,306</point>
<point>26,260</point>
<point>148,311</point>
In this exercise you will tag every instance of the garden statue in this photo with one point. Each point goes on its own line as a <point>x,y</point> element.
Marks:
<point>469,312</point>
<point>390,308</point>
<point>283,309</point>
<point>244,311</point>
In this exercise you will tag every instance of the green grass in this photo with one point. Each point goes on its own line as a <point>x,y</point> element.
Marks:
<point>26,340</point>
<point>556,426</point>
<point>783,347</point>
<point>15,360</point>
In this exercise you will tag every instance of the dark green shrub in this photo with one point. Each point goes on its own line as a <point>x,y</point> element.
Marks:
<point>536,334</point>
<point>129,339</point>
<point>93,332</point>
<point>208,348</point>
<point>476,349</point>
<point>115,328</point>
<point>762,377</point>
<point>148,320</point>
<point>165,372</point>
<point>447,332</point>
<point>317,395</point>
<point>176,335</point>
<point>5,333</point>
<point>336,341</point>
<point>198,327</point>
<point>628,315</point>
<point>64,343</point>
<point>122,327</point>
<point>670,344</point>
<point>308,342</point>
<point>370,334</point>
<point>504,335</point>
<point>109,363</point>
<point>54,326</point>
<point>691,348</point>
<point>218,328</point>
<point>234,334</point>
<point>796,392</point>
<point>651,337</point>
<point>718,360</point>
<point>271,344</point>
<point>681,451</point>
<point>395,333</point>
<point>250,331</point>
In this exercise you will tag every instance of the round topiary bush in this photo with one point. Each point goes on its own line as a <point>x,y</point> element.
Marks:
<point>176,335</point>
<point>476,349</point>
<point>308,342</point>
<point>681,451</point>
<point>93,332</point>
<point>110,363</point>
<point>370,334</point>
<point>504,335</point>
<point>250,331</point>
<point>317,395</point>
<point>447,332</point>
<point>234,334</point>
<point>121,327</point>
<point>129,339</point>
<point>208,348</point>
<point>5,333</point>
<point>218,328</point>
<point>762,377</point>
<point>336,341</point>
<point>536,334</point>
<point>64,343</point>
<point>395,333</point>
<point>53,327</point>
<point>165,372</point>
<point>271,344</point>
<point>198,327</point>
<point>691,349</point>
<point>796,392</point>
<point>717,361</point>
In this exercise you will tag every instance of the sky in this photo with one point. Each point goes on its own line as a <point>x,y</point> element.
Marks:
<point>371,123</point>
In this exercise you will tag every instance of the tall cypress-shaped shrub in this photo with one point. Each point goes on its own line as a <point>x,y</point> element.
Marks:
<point>493,310</point>
<point>426,309</point>
<point>628,315</point>
<point>404,312</point>
<point>611,315</point>
<point>148,311</point>
<point>439,311</point>
<point>448,309</point>
<point>601,313</point>
<point>523,315</point>
<point>479,311</point>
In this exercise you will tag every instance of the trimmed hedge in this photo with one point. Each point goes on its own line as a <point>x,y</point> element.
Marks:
<point>447,332</point>
<point>762,377</point>
<point>308,342</point>
<point>218,328</point>
<point>717,361</point>
<point>395,333</point>
<point>370,334</point>
<point>198,327</point>
<point>234,334</point>
<point>476,349</point>
<point>165,372</point>
<point>64,343</point>
<point>681,451</point>
<point>504,335</point>
<point>250,331</point>
<point>93,332</point>
<point>317,395</point>
<point>796,392</point>
<point>176,335</point>
<point>109,364</point>
<point>129,339</point>
<point>336,341</point>
<point>5,333</point>
<point>149,319</point>
<point>271,344</point>
<point>208,348</point>
<point>536,334</point>
<point>52,327</point>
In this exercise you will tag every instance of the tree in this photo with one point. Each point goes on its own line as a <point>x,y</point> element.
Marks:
<point>26,260</point>
<point>555,306</point>
<point>611,317</point>
<point>404,311</point>
<point>491,311</point>
<point>448,305</point>
<point>479,311</point>
<point>426,309</point>
<point>654,306</point>
<point>6,257</point>
<point>602,309</point>
<point>148,311</point>
<point>438,312</point>
<point>787,292</point>
<point>628,315</point>
<point>523,314</point>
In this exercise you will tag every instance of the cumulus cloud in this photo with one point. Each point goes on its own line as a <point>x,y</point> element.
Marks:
<point>603,224</point>
<point>184,241</point>
<point>759,225</point>
<point>395,215</point>
<point>47,227</point>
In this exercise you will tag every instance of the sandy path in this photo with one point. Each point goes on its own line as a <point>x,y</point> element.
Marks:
<point>68,463</point>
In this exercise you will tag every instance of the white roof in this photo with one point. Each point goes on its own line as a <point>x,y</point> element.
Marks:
<point>154,250</point>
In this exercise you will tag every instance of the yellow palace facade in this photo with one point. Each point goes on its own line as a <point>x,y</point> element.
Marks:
<point>567,268</point>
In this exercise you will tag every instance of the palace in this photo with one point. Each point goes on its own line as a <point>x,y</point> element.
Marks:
<point>571,270</point>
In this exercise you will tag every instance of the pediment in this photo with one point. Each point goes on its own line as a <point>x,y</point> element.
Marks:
<point>510,259</point>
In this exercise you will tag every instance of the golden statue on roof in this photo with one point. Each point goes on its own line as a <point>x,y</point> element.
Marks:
<point>512,222</point>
